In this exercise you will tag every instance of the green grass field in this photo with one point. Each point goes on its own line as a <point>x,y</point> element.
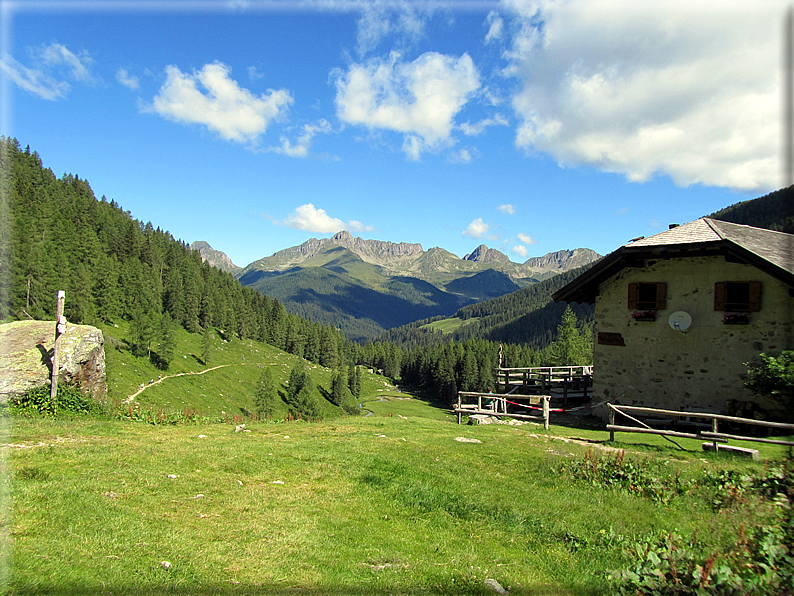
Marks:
<point>397,500</point>
<point>390,504</point>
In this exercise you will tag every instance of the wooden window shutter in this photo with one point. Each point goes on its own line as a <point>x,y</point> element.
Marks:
<point>661,296</point>
<point>719,295</point>
<point>633,291</point>
<point>755,296</point>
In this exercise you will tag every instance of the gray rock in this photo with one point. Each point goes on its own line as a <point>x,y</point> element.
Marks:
<point>26,357</point>
<point>494,585</point>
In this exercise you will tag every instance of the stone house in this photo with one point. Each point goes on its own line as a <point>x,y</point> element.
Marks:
<point>679,314</point>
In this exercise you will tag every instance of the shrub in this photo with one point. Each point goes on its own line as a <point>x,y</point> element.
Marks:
<point>68,401</point>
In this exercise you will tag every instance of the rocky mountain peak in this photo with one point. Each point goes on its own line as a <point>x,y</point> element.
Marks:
<point>564,260</point>
<point>214,257</point>
<point>483,254</point>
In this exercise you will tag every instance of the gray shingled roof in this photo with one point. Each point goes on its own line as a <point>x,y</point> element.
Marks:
<point>768,250</point>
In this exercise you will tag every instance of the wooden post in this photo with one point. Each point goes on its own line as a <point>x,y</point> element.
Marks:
<point>546,412</point>
<point>611,422</point>
<point>60,329</point>
<point>715,430</point>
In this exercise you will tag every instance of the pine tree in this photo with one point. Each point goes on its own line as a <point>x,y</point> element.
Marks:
<point>206,345</point>
<point>301,395</point>
<point>571,348</point>
<point>266,397</point>
<point>167,341</point>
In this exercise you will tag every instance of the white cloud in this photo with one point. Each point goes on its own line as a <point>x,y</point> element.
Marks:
<point>126,79</point>
<point>57,54</point>
<point>507,208</point>
<point>495,26</point>
<point>527,239</point>
<point>33,81</point>
<point>52,64</point>
<point>254,74</point>
<point>419,99</point>
<point>478,128</point>
<point>460,156</point>
<point>307,217</point>
<point>686,89</point>
<point>357,226</point>
<point>379,20</point>
<point>233,112</point>
<point>477,228</point>
<point>520,250</point>
<point>304,141</point>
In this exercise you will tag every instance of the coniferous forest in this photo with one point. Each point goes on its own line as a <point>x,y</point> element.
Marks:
<point>56,235</point>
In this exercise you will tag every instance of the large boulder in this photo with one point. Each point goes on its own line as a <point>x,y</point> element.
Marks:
<point>26,349</point>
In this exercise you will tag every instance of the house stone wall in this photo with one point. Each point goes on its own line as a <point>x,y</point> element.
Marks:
<point>699,369</point>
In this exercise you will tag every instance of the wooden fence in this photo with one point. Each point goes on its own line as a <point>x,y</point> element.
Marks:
<point>492,404</point>
<point>713,436</point>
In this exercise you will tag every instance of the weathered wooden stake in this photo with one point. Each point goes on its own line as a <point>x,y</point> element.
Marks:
<point>60,329</point>
<point>611,422</point>
<point>546,412</point>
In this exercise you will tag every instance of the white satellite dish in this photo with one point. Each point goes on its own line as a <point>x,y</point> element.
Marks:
<point>680,320</point>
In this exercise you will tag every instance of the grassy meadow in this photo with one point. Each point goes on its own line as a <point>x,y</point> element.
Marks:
<point>400,501</point>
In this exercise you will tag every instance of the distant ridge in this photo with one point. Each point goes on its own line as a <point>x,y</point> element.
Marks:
<point>563,260</point>
<point>214,257</point>
<point>774,211</point>
<point>364,287</point>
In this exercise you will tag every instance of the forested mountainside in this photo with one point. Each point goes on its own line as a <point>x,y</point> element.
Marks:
<point>774,211</point>
<point>57,236</point>
<point>364,287</point>
<point>527,317</point>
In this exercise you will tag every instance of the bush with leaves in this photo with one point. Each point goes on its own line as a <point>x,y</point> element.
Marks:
<point>773,376</point>
<point>69,400</point>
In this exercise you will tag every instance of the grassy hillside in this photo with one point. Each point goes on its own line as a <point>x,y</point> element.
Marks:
<point>378,505</point>
<point>227,388</point>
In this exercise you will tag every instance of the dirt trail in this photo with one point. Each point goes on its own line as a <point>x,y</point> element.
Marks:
<point>161,379</point>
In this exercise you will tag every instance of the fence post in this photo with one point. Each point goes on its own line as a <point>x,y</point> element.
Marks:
<point>714,429</point>
<point>611,421</point>
<point>60,329</point>
<point>546,412</point>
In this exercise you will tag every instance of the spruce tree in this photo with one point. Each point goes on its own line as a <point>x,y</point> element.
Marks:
<point>206,345</point>
<point>301,395</point>
<point>571,348</point>
<point>266,397</point>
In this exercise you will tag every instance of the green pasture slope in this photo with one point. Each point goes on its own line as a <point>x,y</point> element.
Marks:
<point>403,501</point>
<point>223,387</point>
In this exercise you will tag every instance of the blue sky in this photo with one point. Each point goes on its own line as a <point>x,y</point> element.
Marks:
<point>527,126</point>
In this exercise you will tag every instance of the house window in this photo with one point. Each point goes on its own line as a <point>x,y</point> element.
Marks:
<point>648,296</point>
<point>737,296</point>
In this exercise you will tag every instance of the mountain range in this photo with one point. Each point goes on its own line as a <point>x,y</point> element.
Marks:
<point>367,286</point>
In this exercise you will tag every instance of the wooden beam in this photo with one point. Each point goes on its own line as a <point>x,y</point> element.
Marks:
<point>741,438</point>
<point>60,329</point>
<point>651,431</point>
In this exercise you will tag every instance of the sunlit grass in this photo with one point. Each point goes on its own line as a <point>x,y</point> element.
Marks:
<point>378,505</point>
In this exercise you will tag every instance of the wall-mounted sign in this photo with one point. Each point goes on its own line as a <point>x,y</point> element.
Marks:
<point>606,338</point>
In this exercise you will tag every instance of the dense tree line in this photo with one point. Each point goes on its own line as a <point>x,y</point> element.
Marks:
<point>446,368</point>
<point>774,211</point>
<point>57,236</point>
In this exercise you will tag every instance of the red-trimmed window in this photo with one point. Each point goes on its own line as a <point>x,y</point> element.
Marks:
<point>647,296</point>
